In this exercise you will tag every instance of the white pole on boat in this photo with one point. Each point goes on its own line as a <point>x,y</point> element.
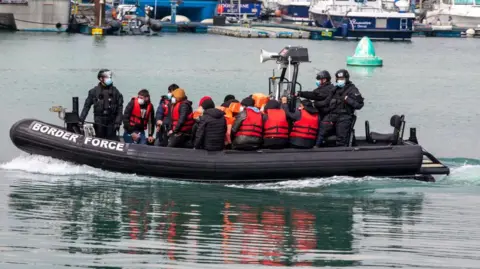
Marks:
<point>289,68</point>
<point>155,11</point>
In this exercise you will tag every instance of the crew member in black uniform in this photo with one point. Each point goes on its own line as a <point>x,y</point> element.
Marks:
<point>345,100</point>
<point>107,104</point>
<point>322,95</point>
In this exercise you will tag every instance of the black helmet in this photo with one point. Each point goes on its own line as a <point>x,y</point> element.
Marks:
<point>324,75</point>
<point>342,73</point>
<point>103,72</point>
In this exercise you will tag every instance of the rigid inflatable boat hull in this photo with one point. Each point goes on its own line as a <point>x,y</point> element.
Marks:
<point>37,137</point>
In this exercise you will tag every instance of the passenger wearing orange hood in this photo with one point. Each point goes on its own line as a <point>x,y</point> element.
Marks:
<point>260,100</point>
<point>182,120</point>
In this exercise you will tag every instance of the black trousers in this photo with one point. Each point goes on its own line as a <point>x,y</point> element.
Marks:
<point>106,131</point>
<point>161,139</point>
<point>341,124</point>
<point>180,140</point>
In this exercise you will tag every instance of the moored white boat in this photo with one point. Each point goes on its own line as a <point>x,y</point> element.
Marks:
<point>460,13</point>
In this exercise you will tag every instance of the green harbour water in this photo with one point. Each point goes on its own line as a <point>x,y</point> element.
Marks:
<point>60,215</point>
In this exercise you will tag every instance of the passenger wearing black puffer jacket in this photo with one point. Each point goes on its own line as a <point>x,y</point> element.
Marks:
<point>211,128</point>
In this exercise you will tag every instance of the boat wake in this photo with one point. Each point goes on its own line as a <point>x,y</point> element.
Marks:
<point>463,172</point>
<point>41,165</point>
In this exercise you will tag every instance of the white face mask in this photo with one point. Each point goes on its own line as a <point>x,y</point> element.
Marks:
<point>169,95</point>
<point>242,108</point>
<point>174,100</point>
<point>141,101</point>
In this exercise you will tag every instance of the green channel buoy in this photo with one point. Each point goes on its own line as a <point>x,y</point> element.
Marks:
<point>365,54</point>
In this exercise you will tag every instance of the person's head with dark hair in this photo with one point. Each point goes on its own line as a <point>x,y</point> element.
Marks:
<point>229,97</point>
<point>143,96</point>
<point>271,104</point>
<point>248,102</point>
<point>173,87</point>
<point>308,106</point>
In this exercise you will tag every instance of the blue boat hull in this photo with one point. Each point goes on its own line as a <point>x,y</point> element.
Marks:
<point>374,28</point>
<point>195,10</point>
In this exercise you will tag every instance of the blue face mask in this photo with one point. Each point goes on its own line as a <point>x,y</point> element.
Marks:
<point>318,83</point>
<point>108,81</point>
<point>341,83</point>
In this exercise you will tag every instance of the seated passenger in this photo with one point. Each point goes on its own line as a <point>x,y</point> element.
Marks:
<point>305,126</point>
<point>212,125</point>
<point>229,98</point>
<point>197,113</point>
<point>196,116</point>
<point>163,116</point>
<point>182,121</point>
<point>275,129</point>
<point>231,107</point>
<point>137,118</point>
<point>345,100</point>
<point>260,100</point>
<point>322,94</point>
<point>248,127</point>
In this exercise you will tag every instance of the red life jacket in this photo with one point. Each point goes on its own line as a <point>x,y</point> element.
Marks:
<point>165,107</point>
<point>252,125</point>
<point>306,127</point>
<point>187,125</point>
<point>136,118</point>
<point>276,125</point>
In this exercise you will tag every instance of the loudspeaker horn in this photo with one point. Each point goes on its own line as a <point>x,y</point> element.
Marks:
<point>266,56</point>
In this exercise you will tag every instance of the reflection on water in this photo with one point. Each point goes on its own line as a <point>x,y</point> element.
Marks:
<point>363,71</point>
<point>126,223</point>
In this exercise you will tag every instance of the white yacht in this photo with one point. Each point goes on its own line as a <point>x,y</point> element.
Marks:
<point>460,13</point>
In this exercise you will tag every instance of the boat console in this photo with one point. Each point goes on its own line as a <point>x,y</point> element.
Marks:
<point>287,59</point>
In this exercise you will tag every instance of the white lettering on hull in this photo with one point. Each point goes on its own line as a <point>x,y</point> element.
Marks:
<point>106,144</point>
<point>91,141</point>
<point>45,129</point>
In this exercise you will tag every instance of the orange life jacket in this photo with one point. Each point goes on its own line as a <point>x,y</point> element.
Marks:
<point>252,125</point>
<point>306,127</point>
<point>234,108</point>
<point>276,125</point>
<point>136,118</point>
<point>260,100</point>
<point>187,125</point>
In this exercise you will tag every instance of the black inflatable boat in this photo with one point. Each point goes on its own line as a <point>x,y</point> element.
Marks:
<point>384,155</point>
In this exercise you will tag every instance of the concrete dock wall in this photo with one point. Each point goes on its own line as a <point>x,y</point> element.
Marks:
<point>36,15</point>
